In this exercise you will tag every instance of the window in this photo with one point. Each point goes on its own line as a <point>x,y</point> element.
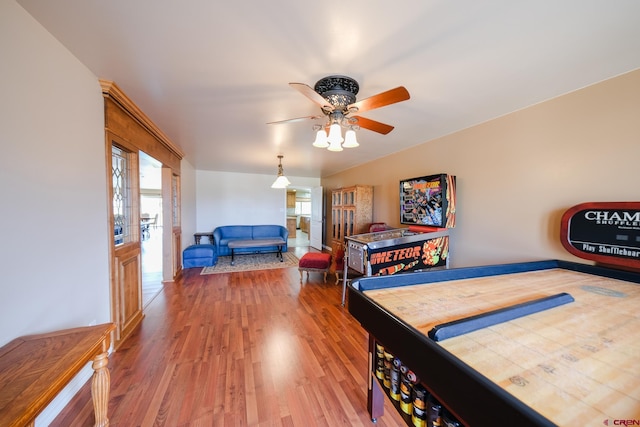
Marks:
<point>303,207</point>
<point>121,196</point>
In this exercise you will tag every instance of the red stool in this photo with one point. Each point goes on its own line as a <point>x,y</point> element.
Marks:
<point>314,262</point>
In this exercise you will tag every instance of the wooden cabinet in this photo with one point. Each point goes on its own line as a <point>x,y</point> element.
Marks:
<point>291,199</point>
<point>305,222</point>
<point>291,226</point>
<point>351,211</point>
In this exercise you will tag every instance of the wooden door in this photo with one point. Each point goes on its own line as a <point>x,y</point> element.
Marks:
<point>172,242</point>
<point>124,214</point>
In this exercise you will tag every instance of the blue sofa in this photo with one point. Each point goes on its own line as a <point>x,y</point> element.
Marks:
<point>224,234</point>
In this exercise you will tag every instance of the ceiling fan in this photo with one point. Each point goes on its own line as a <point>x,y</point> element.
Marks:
<point>336,96</point>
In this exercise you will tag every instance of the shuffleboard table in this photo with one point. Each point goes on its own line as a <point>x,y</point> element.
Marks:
<point>529,344</point>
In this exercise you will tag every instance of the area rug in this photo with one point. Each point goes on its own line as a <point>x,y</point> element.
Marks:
<point>251,262</point>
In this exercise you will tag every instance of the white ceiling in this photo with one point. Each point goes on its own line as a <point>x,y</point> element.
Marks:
<point>211,74</point>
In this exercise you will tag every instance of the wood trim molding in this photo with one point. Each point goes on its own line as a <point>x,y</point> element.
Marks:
<point>112,91</point>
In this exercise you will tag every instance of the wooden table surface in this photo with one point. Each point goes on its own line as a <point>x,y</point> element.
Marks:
<point>576,364</point>
<point>35,368</point>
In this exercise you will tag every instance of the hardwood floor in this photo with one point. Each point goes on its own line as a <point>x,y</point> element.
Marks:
<point>255,348</point>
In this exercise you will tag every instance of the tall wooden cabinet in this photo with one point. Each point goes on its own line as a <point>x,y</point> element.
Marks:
<point>351,211</point>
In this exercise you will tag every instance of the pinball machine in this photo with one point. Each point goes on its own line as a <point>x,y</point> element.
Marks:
<point>428,210</point>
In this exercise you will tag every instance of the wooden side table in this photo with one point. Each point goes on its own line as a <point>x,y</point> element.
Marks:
<point>35,368</point>
<point>198,236</point>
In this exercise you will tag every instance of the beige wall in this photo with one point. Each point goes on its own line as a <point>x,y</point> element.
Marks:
<point>517,174</point>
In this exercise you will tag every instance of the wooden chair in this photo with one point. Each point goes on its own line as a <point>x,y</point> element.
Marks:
<point>378,226</point>
<point>337,268</point>
<point>154,223</point>
<point>337,263</point>
<point>337,260</point>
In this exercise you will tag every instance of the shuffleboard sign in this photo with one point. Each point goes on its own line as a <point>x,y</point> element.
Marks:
<point>604,232</point>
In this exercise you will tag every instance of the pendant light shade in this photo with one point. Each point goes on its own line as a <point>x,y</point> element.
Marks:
<point>321,139</point>
<point>334,135</point>
<point>334,141</point>
<point>350,140</point>
<point>335,146</point>
<point>281,181</point>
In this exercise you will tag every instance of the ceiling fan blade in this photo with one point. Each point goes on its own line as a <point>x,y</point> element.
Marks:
<point>391,96</point>
<point>308,91</point>
<point>296,119</point>
<point>373,125</point>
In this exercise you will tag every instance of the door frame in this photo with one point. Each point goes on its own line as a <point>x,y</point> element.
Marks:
<point>125,260</point>
<point>316,227</point>
<point>135,132</point>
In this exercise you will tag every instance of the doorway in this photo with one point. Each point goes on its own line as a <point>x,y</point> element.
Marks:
<point>298,214</point>
<point>151,226</point>
<point>127,131</point>
<point>305,217</point>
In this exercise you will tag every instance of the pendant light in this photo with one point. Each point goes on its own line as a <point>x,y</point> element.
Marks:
<point>321,139</point>
<point>334,140</point>
<point>350,140</point>
<point>281,181</point>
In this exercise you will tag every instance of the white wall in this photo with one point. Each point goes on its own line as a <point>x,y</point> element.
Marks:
<point>54,252</point>
<point>225,198</point>
<point>517,174</point>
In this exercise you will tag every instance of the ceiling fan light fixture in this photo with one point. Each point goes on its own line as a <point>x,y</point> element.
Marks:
<point>335,136</point>
<point>321,139</point>
<point>350,140</point>
<point>336,96</point>
<point>281,181</point>
<point>335,146</point>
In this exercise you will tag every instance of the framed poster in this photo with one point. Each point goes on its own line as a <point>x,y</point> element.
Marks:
<point>428,200</point>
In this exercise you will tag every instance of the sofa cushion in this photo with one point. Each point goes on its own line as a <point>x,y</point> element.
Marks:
<point>225,242</point>
<point>236,232</point>
<point>266,231</point>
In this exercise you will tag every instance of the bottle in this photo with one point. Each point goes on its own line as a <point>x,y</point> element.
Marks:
<point>448,420</point>
<point>379,361</point>
<point>406,390</point>
<point>419,416</point>
<point>388,362</point>
<point>434,412</point>
<point>394,389</point>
